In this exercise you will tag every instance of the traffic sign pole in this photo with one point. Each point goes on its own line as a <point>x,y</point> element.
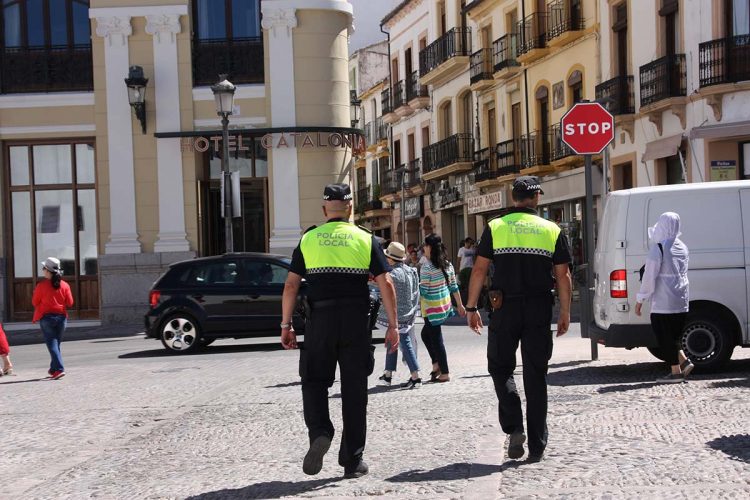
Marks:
<point>588,313</point>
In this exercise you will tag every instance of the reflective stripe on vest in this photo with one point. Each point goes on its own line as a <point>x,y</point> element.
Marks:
<point>337,247</point>
<point>525,234</point>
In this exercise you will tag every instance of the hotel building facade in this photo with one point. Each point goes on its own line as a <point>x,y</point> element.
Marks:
<point>117,198</point>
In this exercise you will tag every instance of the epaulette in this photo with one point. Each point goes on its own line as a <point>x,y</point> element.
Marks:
<point>310,229</point>
<point>363,228</point>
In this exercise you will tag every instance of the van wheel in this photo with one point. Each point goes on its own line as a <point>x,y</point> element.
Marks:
<point>180,334</point>
<point>706,340</point>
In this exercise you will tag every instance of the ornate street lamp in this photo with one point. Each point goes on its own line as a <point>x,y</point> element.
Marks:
<point>136,84</point>
<point>355,106</point>
<point>224,97</point>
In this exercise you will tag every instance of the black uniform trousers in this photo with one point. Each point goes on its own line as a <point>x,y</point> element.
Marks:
<point>338,331</point>
<point>526,320</point>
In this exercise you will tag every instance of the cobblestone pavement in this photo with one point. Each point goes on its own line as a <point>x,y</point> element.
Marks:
<point>130,421</point>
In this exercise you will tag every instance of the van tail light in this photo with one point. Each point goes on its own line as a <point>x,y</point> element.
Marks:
<point>618,284</point>
<point>153,298</point>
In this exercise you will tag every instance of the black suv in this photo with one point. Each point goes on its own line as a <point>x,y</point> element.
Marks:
<point>235,295</point>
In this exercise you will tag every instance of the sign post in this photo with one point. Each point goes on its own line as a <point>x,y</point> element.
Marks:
<point>588,128</point>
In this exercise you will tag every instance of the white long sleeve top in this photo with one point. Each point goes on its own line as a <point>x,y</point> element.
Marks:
<point>665,282</point>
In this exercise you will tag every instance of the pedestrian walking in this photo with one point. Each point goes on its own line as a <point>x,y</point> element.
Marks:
<point>336,260</point>
<point>527,252</point>
<point>437,282</point>
<point>406,281</point>
<point>7,368</point>
<point>466,254</point>
<point>51,299</point>
<point>665,284</point>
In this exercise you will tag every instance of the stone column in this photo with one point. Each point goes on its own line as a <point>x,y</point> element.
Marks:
<point>164,28</point>
<point>123,232</point>
<point>279,20</point>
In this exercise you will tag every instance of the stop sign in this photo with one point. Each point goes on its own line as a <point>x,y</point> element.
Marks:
<point>588,128</point>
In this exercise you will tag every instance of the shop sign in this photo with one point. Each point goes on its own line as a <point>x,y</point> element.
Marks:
<point>723,170</point>
<point>302,140</point>
<point>485,202</point>
<point>413,208</point>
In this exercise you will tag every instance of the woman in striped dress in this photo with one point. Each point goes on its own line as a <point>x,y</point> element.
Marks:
<point>437,282</point>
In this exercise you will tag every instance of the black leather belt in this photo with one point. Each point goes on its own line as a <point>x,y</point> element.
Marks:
<point>344,301</point>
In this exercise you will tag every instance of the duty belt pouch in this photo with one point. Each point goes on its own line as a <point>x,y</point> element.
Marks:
<point>496,299</point>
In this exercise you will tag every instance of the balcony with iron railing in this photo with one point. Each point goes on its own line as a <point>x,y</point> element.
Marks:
<point>414,175</point>
<point>726,60</point>
<point>381,129</point>
<point>504,51</point>
<point>508,158</point>
<point>400,102</point>
<point>449,156</point>
<point>370,134</point>
<point>481,69</point>
<point>46,69</point>
<point>417,95</point>
<point>565,22</point>
<point>241,59</point>
<point>388,106</point>
<point>535,152</point>
<point>390,184</point>
<point>617,95</point>
<point>663,79</point>
<point>484,167</point>
<point>560,154</point>
<point>446,57</point>
<point>532,41</point>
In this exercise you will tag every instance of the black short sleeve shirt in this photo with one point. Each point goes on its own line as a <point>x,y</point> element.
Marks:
<point>523,274</point>
<point>333,285</point>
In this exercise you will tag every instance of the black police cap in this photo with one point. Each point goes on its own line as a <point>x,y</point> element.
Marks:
<point>527,183</point>
<point>337,192</point>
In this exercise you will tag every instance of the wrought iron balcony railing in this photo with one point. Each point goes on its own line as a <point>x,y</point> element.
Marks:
<point>46,69</point>
<point>399,95</point>
<point>414,173</point>
<point>241,59</point>
<point>481,65</point>
<point>415,89</point>
<point>664,78</point>
<point>484,165</point>
<point>456,42</point>
<point>558,149</point>
<point>386,101</point>
<point>535,149</point>
<point>508,157</point>
<point>617,95</point>
<point>504,51</point>
<point>532,33</point>
<point>458,148</point>
<point>563,18</point>
<point>390,182</point>
<point>726,60</point>
<point>369,133</point>
<point>380,129</point>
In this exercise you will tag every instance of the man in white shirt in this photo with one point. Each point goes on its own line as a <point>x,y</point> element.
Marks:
<point>466,254</point>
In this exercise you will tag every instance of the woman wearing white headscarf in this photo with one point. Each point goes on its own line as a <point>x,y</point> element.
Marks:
<point>665,284</point>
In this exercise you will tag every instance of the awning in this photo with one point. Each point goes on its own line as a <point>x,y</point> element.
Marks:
<point>662,148</point>
<point>721,130</point>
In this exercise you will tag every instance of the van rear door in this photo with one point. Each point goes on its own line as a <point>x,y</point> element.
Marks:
<point>745,201</point>
<point>610,257</point>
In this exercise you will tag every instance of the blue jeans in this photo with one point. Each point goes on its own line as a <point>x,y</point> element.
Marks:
<point>409,354</point>
<point>53,326</point>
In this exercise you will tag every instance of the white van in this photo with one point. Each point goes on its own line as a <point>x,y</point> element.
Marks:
<point>715,224</point>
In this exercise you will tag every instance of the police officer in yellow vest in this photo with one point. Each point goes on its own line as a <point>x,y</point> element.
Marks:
<point>336,259</point>
<point>528,251</point>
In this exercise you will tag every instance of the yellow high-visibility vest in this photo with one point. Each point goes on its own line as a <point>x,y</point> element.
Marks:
<point>524,233</point>
<point>337,247</point>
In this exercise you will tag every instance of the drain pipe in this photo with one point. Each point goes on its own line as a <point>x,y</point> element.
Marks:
<point>390,128</point>
<point>525,82</point>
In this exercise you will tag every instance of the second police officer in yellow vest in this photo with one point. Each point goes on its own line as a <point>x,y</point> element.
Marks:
<point>336,259</point>
<point>529,254</point>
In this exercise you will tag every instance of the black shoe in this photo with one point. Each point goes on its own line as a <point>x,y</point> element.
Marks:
<point>314,459</point>
<point>515,445</point>
<point>356,471</point>
<point>412,383</point>
<point>384,380</point>
<point>535,457</point>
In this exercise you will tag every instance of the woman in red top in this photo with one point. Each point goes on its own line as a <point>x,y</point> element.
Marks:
<point>51,299</point>
<point>7,368</point>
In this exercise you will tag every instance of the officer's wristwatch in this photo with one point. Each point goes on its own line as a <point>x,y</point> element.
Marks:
<point>471,309</point>
<point>285,326</point>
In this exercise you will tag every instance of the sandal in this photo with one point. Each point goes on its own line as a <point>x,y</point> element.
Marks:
<point>434,376</point>
<point>686,367</point>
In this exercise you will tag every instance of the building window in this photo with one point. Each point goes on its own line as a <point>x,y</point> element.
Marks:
<point>466,114</point>
<point>622,176</point>
<point>575,84</point>
<point>45,23</point>
<point>670,20</point>
<point>446,120</point>
<point>227,19</point>
<point>671,171</point>
<point>738,17</point>
<point>620,30</point>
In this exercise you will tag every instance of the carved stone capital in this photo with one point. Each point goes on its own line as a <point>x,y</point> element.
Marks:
<point>164,27</point>
<point>279,19</point>
<point>115,29</point>
<point>715,101</point>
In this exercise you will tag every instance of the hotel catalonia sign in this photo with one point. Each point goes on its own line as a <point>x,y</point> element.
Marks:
<point>303,140</point>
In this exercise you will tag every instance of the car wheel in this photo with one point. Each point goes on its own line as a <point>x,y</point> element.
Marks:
<point>180,333</point>
<point>706,340</point>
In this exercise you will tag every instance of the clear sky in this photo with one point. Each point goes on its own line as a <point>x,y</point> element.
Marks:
<point>367,17</point>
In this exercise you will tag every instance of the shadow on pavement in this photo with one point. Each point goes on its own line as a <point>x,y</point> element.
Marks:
<point>160,352</point>
<point>269,489</point>
<point>626,387</point>
<point>4,382</point>
<point>730,384</point>
<point>30,337</point>
<point>736,446</point>
<point>378,389</point>
<point>286,384</point>
<point>568,364</point>
<point>452,472</point>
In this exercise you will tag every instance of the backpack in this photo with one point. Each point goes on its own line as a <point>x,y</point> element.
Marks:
<point>643,267</point>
